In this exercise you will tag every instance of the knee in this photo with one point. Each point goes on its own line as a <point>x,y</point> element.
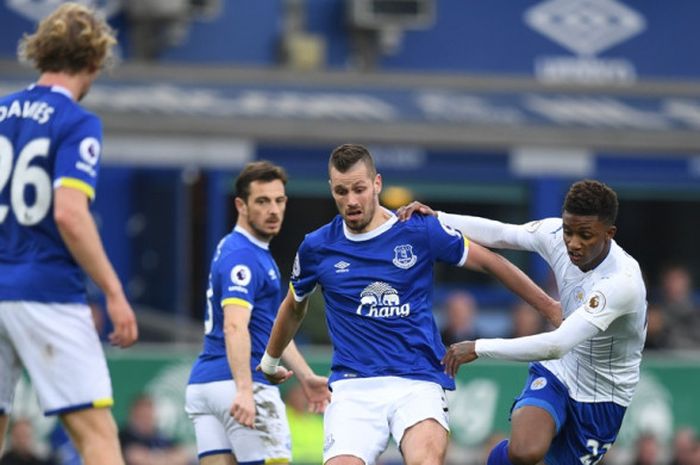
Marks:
<point>526,453</point>
<point>92,428</point>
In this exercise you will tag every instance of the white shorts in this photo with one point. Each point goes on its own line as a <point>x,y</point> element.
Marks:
<point>363,413</point>
<point>59,347</point>
<point>209,407</point>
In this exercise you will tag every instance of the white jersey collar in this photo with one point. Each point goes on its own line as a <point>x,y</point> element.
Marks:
<point>251,238</point>
<point>351,236</point>
<point>55,88</point>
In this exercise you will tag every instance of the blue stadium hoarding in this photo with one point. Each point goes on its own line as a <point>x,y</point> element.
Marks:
<point>554,40</point>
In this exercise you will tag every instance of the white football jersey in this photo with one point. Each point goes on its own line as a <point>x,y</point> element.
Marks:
<point>612,297</point>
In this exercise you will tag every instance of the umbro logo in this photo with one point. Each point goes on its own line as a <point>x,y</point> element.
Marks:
<point>342,267</point>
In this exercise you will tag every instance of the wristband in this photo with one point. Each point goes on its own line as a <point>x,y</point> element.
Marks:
<point>269,364</point>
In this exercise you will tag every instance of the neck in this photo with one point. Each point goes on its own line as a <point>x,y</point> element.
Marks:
<point>252,232</point>
<point>75,83</point>
<point>599,259</point>
<point>380,217</point>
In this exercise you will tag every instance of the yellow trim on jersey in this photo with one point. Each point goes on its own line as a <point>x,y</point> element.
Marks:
<point>291,288</point>
<point>236,301</point>
<point>78,184</point>
<point>102,403</point>
<point>466,241</point>
<point>279,460</point>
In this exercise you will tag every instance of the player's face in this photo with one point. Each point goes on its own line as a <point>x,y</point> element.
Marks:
<point>356,194</point>
<point>587,239</point>
<point>263,212</point>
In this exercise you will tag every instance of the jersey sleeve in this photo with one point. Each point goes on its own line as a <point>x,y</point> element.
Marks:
<point>446,243</point>
<point>304,272</point>
<point>609,299</point>
<point>536,236</point>
<point>240,278</point>
<point>78,155</point>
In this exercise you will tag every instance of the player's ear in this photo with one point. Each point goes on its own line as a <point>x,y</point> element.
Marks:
<point>241,207</point>
<point>378,183</point>
<point>610,233</point>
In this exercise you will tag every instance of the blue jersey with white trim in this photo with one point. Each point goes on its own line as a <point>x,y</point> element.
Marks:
<point>243,273</point>
<point>46,140</point>
<point>378,288</point>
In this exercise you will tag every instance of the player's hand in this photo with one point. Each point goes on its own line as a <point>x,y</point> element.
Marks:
<point>457,354</point>
<point>124,321</point>
<point>243,408</point>
<point>279,377</point>
<point>317,393</point>
<point>405,212</point>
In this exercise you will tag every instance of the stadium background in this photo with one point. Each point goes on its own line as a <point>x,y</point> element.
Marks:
<point>487,107</point>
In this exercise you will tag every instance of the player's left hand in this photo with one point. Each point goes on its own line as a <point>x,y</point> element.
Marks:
<point>279,376</point>
<point>457,354</point>
<point>317,393</point>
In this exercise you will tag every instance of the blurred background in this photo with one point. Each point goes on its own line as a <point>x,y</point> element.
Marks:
<point>483,107</point>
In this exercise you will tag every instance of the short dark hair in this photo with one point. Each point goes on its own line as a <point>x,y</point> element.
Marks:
<point>258,171</point>
<point>346,156</point>
<point>592,198</point>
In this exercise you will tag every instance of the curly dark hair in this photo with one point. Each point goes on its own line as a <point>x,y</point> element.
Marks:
<point>258,171</point>
<point>592,198</point>
<point>345,156</point>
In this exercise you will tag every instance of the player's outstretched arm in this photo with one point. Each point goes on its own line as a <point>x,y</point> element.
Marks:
<point>289,317</point>
<point>485,261</point>
<point>237,341</point>
<point>544,346</point>
<point>405,212</point>
<point>79,233</point>
<point>315,387</point>
<point>490,233</point>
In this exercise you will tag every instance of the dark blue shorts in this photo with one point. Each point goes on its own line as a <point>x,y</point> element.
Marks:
<point>585,430</point>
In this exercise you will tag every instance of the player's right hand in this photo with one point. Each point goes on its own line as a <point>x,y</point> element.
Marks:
<point>243,408</point>
<point>279,376</point>
<point>458,354</point>
<point>405,212</point>
<point>124,321</point>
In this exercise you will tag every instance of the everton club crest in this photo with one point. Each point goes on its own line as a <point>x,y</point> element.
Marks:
<point>404,257</point>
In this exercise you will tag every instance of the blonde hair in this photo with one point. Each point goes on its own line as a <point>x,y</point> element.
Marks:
<point>71,39</point>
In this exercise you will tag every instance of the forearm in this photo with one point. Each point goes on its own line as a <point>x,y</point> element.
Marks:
<point>79,233</point>
<point>238,356</point>
<point>296,362</point>
<point>545,346</point>
<point>489,233</point>
<point>287,323</point>
<point>518,282</point>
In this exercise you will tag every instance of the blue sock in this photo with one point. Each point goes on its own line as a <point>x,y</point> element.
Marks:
<point>499,454</point>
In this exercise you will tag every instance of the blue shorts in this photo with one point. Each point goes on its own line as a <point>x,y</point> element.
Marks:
<point>585,430</point>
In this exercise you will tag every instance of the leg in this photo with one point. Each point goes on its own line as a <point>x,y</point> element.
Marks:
<point>94,434</point>
<point>532,433</point>
<point>3,429</point>
<point>424,443</point>
<point>345,460</point>
<point>217,459</point>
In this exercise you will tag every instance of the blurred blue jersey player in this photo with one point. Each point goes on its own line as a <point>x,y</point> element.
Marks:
<point>49,163</point>
<point>235,411</point>
<point>572,405</point>
<point>376,275</point>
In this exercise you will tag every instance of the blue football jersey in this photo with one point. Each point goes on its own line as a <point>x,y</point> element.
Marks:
<point>46,140</point>
<point>378,288</point>
<point>243,273</point>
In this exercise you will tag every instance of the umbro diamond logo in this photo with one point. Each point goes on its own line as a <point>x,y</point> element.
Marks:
<point>342,267</point>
